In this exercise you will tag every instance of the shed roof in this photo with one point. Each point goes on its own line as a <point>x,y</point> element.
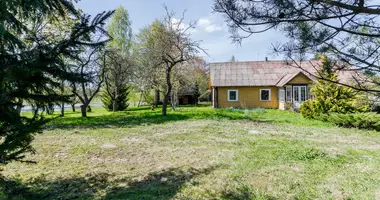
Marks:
<point>263,73</point>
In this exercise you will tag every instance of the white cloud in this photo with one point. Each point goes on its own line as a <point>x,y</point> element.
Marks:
<point>208,25</point>
<point>213,28</point>
<point>177,22</point>
<point>181,25</point>
<point>204,22</point>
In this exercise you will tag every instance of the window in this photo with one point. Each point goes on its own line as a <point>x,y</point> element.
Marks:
<point>289,93</point>
<point>264,94</point>
<point>281,94</point>
<point>296,96</point>
<point>233,95</point>
<point>300,93</point>
<point>303,94</point>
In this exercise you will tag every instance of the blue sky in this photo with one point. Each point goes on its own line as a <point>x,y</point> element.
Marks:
<point>211,28</point>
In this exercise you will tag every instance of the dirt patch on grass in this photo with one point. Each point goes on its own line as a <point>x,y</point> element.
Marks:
<point>62,153</point>
<point>255,132</point>
<point>133,140</point>
<point>108,146</point>
<point>254,123</point>
<point>368,146</point>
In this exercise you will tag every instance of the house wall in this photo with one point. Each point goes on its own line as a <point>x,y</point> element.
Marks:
<point>281,105</point>
<point>248,97</point>
<point>300,79</point>
<point>185,100</point>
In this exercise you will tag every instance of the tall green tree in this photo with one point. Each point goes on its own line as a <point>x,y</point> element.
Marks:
<point>56,30</point>
<point>118,71</point>
<point>168,45</point>
<point>148,74</point>
<point>119,28</point>
<point>32,67</point>
<point>119,61</point>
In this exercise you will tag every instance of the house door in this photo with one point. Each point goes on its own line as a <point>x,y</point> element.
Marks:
<point>299,94</point>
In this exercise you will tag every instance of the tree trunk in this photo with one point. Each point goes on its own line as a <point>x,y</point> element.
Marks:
<point>157,97</point>
<point>168,91</point>
<point>114,105</point>
<point>73,107</point>
<point>165,103</point>
<point>62,109</point>
<point>63,103</point>
<point>83,109</point>
<point>141,96</point>
<point>173,99</point>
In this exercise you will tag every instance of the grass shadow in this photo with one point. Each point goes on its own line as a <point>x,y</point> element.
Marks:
<point>158,185</point>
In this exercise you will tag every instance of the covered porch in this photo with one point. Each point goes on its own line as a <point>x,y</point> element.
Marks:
<point>293,90</point>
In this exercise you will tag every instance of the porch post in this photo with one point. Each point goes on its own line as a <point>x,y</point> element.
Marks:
<point>214,97</point>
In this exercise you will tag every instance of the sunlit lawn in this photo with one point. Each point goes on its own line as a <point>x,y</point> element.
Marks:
<point>197,153</point>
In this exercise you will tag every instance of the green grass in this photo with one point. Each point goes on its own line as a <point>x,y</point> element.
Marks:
<point>197,153</point>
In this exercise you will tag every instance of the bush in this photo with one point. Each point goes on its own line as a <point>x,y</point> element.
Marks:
<point>367,120</point>
<point>361,120</point>
<point>330,97</point>
<point>307,109</point>
<point>314,108</point>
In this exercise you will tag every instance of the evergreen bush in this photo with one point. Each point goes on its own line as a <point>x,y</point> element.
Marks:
<point>118,104</point>
<point>329,97</point>
<point>369,120</point>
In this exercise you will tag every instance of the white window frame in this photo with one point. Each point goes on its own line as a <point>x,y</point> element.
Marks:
<point>298,88</point>
<point>282,93</point>
<point>269,96</point>
<point>237,95</point>
<point>289,89</point>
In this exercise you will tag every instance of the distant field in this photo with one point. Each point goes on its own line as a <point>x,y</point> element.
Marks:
<point>197,153</point>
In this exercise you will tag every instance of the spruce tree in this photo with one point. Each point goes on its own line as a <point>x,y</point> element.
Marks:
<point>121,101</point>
<point>32,68</point>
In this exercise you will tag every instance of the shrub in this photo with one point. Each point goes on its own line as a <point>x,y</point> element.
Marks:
<point>368,120</point>
<point>329,97</point>
<point>307,109</point>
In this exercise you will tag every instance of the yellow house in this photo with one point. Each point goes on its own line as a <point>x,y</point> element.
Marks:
<point>262,84</point>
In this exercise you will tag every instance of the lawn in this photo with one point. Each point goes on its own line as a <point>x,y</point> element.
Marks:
<point>197,153</point>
